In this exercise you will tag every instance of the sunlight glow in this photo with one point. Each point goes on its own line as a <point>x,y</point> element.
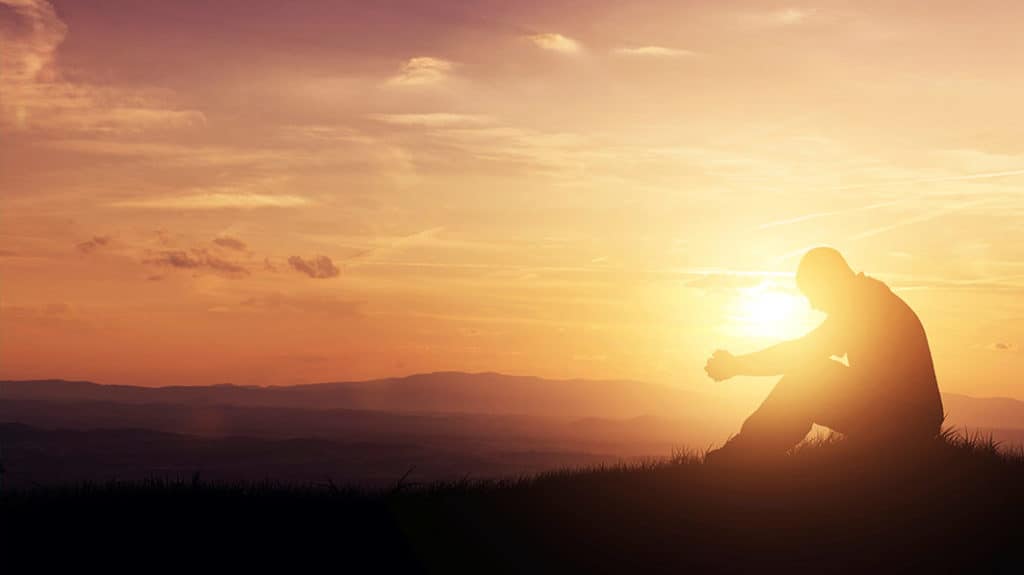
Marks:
<point>769,311</point>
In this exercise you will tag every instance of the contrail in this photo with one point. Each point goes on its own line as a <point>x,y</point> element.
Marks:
<point>976,176</point>
<point>792,254</point>
<point>918,219</point>
<point>882,229</point>
<point>817,215</point>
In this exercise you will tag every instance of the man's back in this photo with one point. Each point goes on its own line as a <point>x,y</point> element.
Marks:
<point>886,344</point>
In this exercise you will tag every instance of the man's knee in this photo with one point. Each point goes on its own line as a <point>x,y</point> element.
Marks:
<point>815,391</point>
<point>811,375</point>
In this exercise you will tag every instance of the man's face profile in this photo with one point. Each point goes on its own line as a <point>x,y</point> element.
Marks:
<point>823,276</point>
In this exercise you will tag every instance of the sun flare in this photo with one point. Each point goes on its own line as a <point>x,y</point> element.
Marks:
<point>769,311</point>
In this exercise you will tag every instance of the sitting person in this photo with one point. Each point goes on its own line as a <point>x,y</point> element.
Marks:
<point>888,391</point>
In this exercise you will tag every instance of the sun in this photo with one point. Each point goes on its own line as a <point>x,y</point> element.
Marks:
<point>769,311</point>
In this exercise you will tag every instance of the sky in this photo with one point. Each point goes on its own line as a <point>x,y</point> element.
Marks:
<point>275,193</point>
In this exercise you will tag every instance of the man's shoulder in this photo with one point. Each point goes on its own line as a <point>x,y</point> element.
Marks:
<point>883,296</point>
<point>872,283</point>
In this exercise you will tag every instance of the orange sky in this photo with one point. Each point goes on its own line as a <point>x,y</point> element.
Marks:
<point>256,192</point>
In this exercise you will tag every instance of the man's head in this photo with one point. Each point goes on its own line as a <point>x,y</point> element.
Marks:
<point>825,278</point>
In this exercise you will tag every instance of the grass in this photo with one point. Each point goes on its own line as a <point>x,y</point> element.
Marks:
<point>954,505</point>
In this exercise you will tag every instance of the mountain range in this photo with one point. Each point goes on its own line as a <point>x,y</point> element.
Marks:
<point>465,393</point>
<point>444,424</point>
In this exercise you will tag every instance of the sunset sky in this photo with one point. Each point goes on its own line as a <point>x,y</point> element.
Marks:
<point>286,192</point>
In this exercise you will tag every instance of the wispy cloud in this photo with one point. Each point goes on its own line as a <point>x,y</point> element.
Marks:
<point>36,95</point>
<point>58,315</point>
<point>654,51</point>
<point>215,201</point>
<point>825,214</point>
<point>776,18</point>
<point>278,302</point>
<point>726,280</point>
<point>230,243</point>
<point>928,216</point>
<point>792,16</point>
<point>433,119</point>
<point>91,245</point>
<point>319,267</point>
<point>170,154</point>
<point>365,250</point>
<point>937,179</point>
<point>555,42</point>
<point>195,259</point>
<point>28,55</point>
<point>422,71</point>
<point>1004,346</point>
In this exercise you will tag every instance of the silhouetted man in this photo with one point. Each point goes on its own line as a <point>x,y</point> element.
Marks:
<point>887,394</point>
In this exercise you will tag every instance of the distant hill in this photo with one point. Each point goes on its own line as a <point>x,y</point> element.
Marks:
<point>990,412</point>
<point>441,392</point>
<point>470,393</point>
<point>444,424</point>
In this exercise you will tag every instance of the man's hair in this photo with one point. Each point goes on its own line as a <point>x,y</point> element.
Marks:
<point>821,265</point>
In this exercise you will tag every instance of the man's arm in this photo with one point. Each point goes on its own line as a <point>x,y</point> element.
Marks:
<point>777,359</point>
<point>774,360</point>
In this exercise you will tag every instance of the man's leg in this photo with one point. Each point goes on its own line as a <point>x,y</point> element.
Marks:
<point>797,401</point>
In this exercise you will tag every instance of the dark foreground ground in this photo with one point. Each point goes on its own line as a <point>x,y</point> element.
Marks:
<point>953,507</point>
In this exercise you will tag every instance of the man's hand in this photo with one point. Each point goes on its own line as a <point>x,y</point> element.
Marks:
<point>721,366</point>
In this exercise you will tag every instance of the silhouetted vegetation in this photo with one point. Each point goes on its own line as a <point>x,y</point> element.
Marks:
<point>951,506</point>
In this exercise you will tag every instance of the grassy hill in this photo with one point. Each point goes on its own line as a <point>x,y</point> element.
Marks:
<point>951,506</point>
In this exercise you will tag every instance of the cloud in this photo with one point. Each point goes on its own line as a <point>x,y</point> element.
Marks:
<point>57,315</point>
<point>176,259</point>
<point>422,71</point>
<point>37,96</point>
<point>433,119</point>
<point>555,43</point>
<point>395,244</point>
<point>195,259</point>
<point>920,218</point>
<point>726,280</point>
<point>319,267</point>
<point>939,179</point>
<point>230,243</point>
<point>791,16</point>
<point>225,267</point>
<point>216,201</point>
<point>92,245</point>
<point>654,51</point>
<point>30,54</point>
<point>775,18</point>
<point>277,302</point>
<point>177,155</point>
<point>1004,346</point>
<point>817,215</point>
